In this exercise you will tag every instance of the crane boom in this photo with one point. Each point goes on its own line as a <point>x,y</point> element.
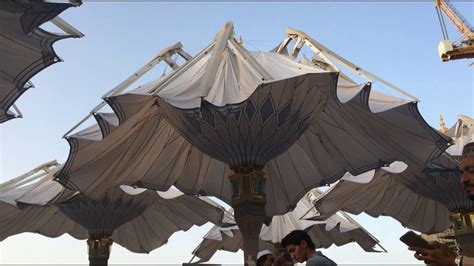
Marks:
<point>465,47</point>
<point>461,23</point>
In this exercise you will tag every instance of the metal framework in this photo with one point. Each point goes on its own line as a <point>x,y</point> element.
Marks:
<point>32,175</point>
<point>164,55</point>
<point>329,56</point>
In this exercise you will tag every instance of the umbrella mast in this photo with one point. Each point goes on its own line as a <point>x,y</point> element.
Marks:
<point>248,201</point>
<point>248,181</point>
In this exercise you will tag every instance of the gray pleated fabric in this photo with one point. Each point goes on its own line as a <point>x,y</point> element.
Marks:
<point>25,49</point>
<point>420,198</point>
<point>140,223</point>
<point>387,195</point>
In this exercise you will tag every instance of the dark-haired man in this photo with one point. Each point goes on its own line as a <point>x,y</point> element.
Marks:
<point>301,247</point>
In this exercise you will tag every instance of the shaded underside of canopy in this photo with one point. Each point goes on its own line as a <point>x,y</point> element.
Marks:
<point>387,195</point>
<point>139,223</point>
<point>25,48</point>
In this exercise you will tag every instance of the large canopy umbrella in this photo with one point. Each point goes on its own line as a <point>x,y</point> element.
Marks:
<point>338,229</point>
<point>255,129</point>
<point>420,199</point>
<point>385,195</point>
<point>25,48</point>
<point>139,220</point>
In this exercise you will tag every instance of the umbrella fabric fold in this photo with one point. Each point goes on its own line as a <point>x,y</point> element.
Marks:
<point>140,223</point>
<point>25,48</point>
<point>385,195</point>
<point>420,198</point>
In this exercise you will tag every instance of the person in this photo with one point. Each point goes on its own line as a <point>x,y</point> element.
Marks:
<point>299,244</point>
<point>265,258</point>
<point>441,254</point>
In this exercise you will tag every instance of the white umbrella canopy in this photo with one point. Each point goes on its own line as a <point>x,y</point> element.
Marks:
<point>384,195</point>
<point>419,199</point>
<point>140,221</point>
<point>145,147</point>
<point>25,48</point>
<point>229,112</point>
<point>338,229</point>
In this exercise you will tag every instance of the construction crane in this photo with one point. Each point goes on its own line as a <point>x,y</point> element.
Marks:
<point>464,46</point>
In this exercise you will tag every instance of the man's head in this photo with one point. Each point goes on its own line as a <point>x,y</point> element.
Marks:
<point>467,169</point>
<point>265,258</point>
<point>299,245</point>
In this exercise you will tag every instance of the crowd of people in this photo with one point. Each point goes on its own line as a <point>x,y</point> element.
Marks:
<point>299,247</point>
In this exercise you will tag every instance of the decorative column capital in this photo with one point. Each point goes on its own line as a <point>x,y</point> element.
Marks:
<point>99,250</point>
<point>248,185</point>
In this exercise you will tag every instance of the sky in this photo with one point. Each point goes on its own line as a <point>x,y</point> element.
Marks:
<point>395,40</point>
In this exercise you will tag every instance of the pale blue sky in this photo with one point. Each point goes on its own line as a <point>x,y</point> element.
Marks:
<point>397,41</point>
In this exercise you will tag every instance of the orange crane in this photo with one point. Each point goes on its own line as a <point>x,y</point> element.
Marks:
<point>464,46</point>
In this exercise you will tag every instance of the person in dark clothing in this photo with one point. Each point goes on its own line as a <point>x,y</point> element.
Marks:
<point>301,247</point>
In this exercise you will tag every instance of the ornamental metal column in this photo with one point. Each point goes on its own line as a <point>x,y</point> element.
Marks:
<point>248,201</point>
<point>99,250</point>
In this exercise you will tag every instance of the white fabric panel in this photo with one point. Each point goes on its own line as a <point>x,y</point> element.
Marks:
<point>131,190</point>
<point>281,66</point>
<point>347,90</point>
<point>184,91</point>
<point>462,133</point>
<point>395,167</point>
<point>216,232</point>
<point>238,81</point>
<point>380,102</point>
<point>170,194</point>
<point>39,192</point>
<point>234,81</point>
<point>363,178</point>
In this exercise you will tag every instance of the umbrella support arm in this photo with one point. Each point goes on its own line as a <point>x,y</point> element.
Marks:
<point>328,56</point>
<point>99,250</point>
<point>248,201</point>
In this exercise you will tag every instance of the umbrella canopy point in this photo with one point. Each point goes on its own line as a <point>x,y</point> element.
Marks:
<point>102,217</point>
<point>20,23</point>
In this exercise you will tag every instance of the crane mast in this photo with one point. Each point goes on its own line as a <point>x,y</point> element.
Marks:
<point>462,48</point>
